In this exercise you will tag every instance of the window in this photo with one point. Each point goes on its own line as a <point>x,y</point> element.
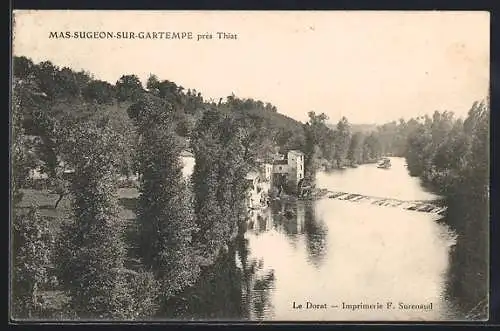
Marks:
<point>280,168</point>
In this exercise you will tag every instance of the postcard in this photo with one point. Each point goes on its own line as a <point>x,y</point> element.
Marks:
<point>250,166</point>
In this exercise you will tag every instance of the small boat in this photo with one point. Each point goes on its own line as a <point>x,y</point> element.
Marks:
<point>384,164</point>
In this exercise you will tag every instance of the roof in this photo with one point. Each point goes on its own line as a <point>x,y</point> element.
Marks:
<point>32,138</point>
<point>252,175</point>
<point>186,153</point>
<point>295,152</point>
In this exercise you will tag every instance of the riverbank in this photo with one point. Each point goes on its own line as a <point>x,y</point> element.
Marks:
<point>467,214</point>
<point>469,272</point>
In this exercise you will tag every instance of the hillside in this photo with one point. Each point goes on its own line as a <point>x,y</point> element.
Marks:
<point>362,128</point>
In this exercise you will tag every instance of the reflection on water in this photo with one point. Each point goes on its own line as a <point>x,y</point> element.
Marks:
<point>334,253</point>
<point>235,288</point>
<point>342,252</point>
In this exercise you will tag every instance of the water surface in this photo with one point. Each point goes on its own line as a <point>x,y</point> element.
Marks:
<point>339,254</point>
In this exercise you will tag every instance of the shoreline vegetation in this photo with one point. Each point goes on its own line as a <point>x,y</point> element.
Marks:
<point>90,246</point>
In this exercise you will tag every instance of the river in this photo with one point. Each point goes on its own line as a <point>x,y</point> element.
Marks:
<point>335,254</point>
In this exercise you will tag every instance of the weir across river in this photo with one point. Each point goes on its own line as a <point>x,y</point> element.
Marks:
<point>423,206</point>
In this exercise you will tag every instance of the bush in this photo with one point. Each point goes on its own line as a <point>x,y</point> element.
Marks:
<point>32,248</point>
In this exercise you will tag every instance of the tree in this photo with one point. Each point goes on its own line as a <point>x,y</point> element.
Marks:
<point>254,136</point>
<point>146,292</point>
<point>185,125</point>
<point>32,243</point>
<point>222,160</point>
<point>128,88</point>
<point>119,121</point>
<point>59,186</point>
<point>164,214</point>
<point>168,90</point>
<point>237,158</point>
<point>310,152</point>
<point>209,217</point>
<point>355,152</point>
<point>318,142</point>
<point>22,67</point>
<point>477,125</point>
<point>69,86</point>
<point>43,118</point>
<point>419,150</point>
<point>342,138</point>
<point>371,148</point>
<point>152,84</point>
<point>46,73</point>
<point>21,159</point>
<point>91,252</point>
<point>99,91</point>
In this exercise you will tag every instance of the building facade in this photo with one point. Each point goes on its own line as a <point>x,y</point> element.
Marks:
<point>285,172</point>
<point>295,166</point>
<point>290,170</point>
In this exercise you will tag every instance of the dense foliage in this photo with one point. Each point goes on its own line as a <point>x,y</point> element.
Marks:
<point>20,155</point>
<point>32,244</point>
<point>452,156</point>
<point>91,251</point>
<point>164,214</point>
<point>85,134</point>
<point>222,162</point>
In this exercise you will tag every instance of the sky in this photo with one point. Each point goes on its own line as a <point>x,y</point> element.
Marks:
<point>371,67</point>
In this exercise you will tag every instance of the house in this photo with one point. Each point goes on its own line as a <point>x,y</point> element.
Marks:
<point>296,166</point>
<point>290,170</point>
<point>255,192</point>
<point>267,171</point>
<point>188,162</point>
<point>279,156</point>
<point>37,173</point>
<point>259,182</point>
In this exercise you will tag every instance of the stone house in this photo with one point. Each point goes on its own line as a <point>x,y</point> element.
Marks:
<point>289,171</point>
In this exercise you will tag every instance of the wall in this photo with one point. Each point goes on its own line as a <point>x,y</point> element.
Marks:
<point>296,166</point>
<point>268,171</point>
<point>280,168</point>
<point>188,166</point>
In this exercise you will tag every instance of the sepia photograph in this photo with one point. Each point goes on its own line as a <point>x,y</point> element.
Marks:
<point>249,166</point>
